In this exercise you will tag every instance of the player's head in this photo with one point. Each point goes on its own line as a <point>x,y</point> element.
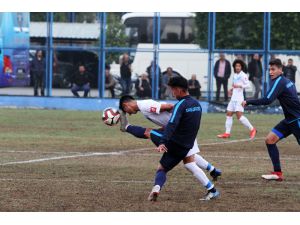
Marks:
<point>238,65</point>
<point>128,104</point>
<point>179,86</point>
<point>275,68</point>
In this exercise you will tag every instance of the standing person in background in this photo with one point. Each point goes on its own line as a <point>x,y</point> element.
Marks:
<point>167,92</point>
<point>255,74</point>
<point>240,82</point>
<point>290,70</point>
<point>125,71</point>
<point>38,71</point>
<point>110,83</point>
<point>194,87</point>
<point>222,71</point>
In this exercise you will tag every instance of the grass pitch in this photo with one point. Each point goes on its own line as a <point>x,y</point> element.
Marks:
<point>71,161</point>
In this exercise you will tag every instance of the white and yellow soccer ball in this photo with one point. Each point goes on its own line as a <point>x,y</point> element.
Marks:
<point>111,116</point>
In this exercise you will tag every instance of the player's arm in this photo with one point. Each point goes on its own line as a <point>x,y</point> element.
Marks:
<point>271,95</point>
<point>173,122</point>
<point>166,107</point>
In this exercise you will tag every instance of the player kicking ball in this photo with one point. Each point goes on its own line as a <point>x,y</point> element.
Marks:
<point>285,91</point>
<point>160,114</point>
<point>240,82</point>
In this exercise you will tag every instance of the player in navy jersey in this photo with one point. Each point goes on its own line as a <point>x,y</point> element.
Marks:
<point>285,91</point>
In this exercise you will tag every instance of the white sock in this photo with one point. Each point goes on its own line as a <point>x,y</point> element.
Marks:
<point>228,124</point>
<point>202,163</point>
<point>246,122</point>
<point>198,173</point>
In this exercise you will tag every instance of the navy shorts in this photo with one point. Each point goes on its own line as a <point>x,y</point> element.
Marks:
<point>175,152</point>
<point>284,129</point>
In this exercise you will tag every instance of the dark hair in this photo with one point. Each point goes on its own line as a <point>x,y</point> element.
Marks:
<point>178,81</point>
<point>107,67</point>
<point>238,61</point>
<point>276,62</point>
<point>124,99</point>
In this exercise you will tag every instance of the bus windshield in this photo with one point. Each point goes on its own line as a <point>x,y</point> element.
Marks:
<point>173,30</point>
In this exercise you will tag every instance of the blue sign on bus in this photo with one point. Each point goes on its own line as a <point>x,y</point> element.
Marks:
<point>14,49</point>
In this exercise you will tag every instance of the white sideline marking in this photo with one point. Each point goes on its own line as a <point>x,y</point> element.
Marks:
<point>89,154</point>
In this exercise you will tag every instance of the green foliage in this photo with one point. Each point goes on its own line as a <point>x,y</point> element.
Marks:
<point>285,34</point>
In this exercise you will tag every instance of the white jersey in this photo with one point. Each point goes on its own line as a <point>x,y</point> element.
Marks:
<point>242,80</point>
<point>151,110</point>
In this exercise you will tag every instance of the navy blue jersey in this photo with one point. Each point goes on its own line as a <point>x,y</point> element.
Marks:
<point>285,91</point>
<point>184,123</point>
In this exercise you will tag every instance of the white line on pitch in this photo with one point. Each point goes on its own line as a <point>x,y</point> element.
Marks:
<point>89,154</point>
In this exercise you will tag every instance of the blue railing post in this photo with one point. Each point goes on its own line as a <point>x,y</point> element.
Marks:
<point>211,48</point>
<point>266,48</point>
<point>49,55</point>
<point>156,41</point>
<point>101,58</point>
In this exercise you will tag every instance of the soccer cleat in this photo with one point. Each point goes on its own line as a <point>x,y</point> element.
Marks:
<point>123,121</point>
<point>154,193</point>
<point>253,133</point>
<point>210,196</point>
<point>215,174</point>
<point>278,176</point>
<point>225,135</point>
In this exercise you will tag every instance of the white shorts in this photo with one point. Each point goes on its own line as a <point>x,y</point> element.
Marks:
<point>235,106</point>
<point>194,150</point>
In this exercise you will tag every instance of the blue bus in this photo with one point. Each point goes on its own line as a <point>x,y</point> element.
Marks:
<point>14,49</point>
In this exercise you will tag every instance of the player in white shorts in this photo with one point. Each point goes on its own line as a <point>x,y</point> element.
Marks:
<point>159,114</point>
<point>240,82</point>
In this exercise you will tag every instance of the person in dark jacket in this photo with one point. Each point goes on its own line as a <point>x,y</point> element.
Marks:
<point>194,87</point>
<point>222,71</point>
<point>143,86</point>
<point>81,82</point>
<point>125,71</point>
<point>110,83</point>
<point>38,71</point>
<point>255,74</point>
<point>290,70</point>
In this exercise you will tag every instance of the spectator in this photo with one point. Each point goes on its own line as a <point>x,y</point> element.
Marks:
<point>110,83</point>
<point>81,82</point>
<point>38,71</point>
<point>255,74</point>
<point>151,70</point>
<point>222,71</point>
<point>143,86</point>
<point>7,65</point>
<point>290,70</point>
<point>166,90</point>
<point>125,71</point>
<point>194,87</point>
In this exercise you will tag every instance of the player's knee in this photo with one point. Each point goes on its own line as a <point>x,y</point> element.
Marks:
<point>189,159</point>
<point>270,140</point>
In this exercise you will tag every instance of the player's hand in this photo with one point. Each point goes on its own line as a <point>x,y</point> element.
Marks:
<point>244,103</point>
<point>162,148</point>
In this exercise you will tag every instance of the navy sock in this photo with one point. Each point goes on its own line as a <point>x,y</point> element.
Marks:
<point>274,155</point>
<point>160,178</point>
<point>136,131</point>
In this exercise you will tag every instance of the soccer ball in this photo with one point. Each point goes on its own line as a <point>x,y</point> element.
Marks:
<point>110,116</point>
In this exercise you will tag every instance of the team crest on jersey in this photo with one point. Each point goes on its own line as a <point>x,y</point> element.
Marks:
<point>153,109</point>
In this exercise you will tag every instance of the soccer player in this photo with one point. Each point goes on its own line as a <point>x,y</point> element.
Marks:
<point>159,113</point>
<point>240,82</point>
<point>285,91</point>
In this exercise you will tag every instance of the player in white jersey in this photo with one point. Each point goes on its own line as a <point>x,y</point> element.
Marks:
<point>159,114</point>
<point>240,82</point>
